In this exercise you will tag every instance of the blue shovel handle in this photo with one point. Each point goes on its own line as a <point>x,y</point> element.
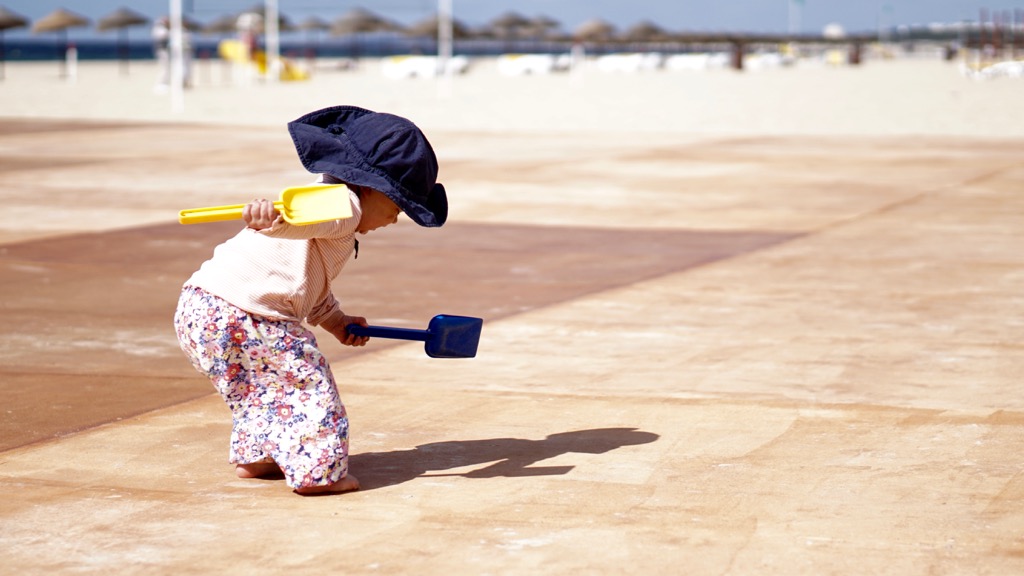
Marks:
<point>388,332</point>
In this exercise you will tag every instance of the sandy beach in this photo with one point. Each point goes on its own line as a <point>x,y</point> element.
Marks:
<point>734,323</point>
<point>883,97</point>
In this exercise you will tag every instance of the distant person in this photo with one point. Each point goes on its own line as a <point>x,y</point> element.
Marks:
<point>162,50</point>
<point>249,25</point>
<point>240,316</point>
<point>186,58</point>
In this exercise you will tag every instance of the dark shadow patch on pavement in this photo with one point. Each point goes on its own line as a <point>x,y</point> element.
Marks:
<point>504,457</point>
<point>93,311</point>
<point>497,270</point>
<point>41,405</point>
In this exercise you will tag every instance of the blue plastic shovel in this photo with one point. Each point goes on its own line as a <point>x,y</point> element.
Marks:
<point>446,336</point>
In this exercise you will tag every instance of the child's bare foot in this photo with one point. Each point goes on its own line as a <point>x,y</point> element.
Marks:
<point>346,484</point>
<point>258,470</point>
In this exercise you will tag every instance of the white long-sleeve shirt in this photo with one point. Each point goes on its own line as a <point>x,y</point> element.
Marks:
<point>282,272</point>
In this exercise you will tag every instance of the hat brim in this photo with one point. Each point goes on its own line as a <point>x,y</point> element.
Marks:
<point>324,153</point>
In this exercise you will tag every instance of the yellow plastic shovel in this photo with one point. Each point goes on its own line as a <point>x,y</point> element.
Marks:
<point>299,205</point>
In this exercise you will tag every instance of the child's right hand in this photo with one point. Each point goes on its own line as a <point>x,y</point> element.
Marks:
<point>336,324</point>
<point>260,214</point>
<point>349,339</point>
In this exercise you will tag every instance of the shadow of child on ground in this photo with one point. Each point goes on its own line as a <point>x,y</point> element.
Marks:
<point>512,457</point>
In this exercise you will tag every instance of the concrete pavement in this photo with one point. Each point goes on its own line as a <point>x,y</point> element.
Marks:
<point>701,355</point>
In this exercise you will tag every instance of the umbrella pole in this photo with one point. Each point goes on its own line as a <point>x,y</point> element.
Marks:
<point>3,56</point>
<point>177,55</point>
<point>444,46</point>
<point>273,33</point>
<point>122,49</point>
<point>62,48</point>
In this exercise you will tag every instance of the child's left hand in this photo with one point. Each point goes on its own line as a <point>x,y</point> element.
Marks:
<point>260,214</point>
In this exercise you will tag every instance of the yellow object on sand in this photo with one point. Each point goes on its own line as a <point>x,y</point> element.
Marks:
<point>298,205</point>
<point>235,51</point>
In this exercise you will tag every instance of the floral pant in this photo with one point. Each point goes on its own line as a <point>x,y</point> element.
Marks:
<point>279,387</point>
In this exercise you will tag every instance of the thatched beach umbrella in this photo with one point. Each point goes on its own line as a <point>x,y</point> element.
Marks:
<point>59,21</point>
<point>646,34</point>
<point>190,25</point>
<point>646,31</point>
<point>226,24</point>
<point>510,24</point>
<point>597,31</point>
<point>121,20</point>
<point>544,27</point>
<point>284,24</point>
<point>361,21</point>
<point>508,27</point>
<point>428,29</point>
<point>314,24</point>
<point>8,20</point>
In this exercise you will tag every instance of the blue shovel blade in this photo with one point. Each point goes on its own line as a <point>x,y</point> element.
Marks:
<point>453,336</point>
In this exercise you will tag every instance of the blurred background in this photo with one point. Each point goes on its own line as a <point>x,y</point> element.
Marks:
<point>109,29</point>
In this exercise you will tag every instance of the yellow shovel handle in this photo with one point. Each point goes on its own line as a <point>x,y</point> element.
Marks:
<point>215,213</point>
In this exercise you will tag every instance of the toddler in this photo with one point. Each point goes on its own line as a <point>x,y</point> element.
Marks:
<point>240,316</point>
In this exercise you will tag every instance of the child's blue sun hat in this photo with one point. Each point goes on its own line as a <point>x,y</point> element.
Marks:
<point>381,151</point>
